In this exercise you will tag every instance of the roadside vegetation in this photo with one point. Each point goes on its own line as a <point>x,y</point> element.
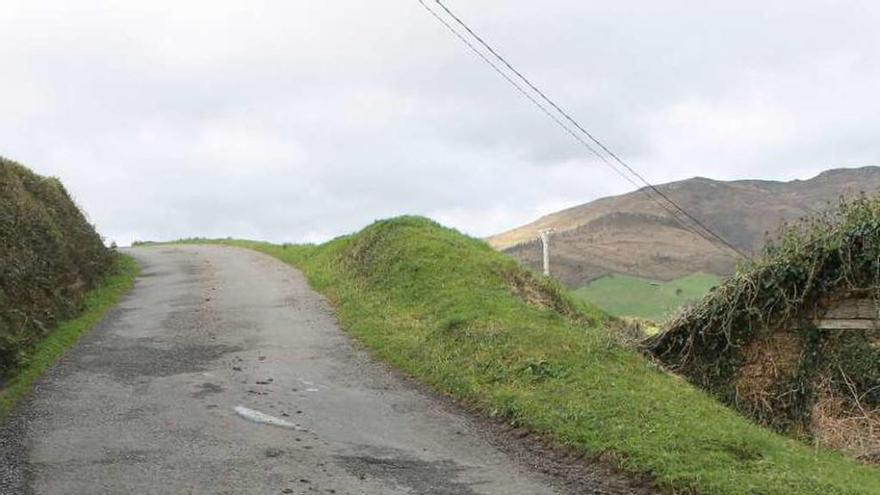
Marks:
<point>754,341</point>
<point>469,321</point>
<point>40,357</point>
<point>623,295</point>
<point>56,276</point>
<point>50,256</point>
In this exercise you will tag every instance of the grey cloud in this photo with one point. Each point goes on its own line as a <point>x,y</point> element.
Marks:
<point>304,120</point>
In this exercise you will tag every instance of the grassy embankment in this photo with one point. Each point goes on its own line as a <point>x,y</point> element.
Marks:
<point>622,295</point>
<point>56,276</point>
<point>453,313</point>
<point>47,351</point>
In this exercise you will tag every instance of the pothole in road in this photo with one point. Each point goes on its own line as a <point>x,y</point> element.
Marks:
<point>207,389</point>
<point>128,359</point>
<point>420,476</point>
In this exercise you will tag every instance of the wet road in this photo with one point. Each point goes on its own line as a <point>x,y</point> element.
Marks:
<point>223,373</point>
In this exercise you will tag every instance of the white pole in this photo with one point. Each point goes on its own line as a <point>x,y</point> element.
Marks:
<point>545,242</point>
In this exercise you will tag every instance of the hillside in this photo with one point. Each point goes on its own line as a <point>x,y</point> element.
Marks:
<point>50,257</point>
<point>630,235</point>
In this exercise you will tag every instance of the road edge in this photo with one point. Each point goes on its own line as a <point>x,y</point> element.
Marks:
<point>97,303</point>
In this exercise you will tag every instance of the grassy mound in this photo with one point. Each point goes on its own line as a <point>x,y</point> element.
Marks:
<point>469,321</point>
<point>754,344</point>
<point>623,295</point>
<point>50,257</point>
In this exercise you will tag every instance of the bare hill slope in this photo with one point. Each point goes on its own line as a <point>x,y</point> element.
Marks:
<point>630,234</point>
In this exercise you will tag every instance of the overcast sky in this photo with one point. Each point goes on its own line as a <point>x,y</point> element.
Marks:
<point>301,120</point>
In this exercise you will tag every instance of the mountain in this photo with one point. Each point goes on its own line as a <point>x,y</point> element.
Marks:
<point>630,234</point>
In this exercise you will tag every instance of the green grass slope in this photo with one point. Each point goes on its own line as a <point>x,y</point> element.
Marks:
<point>622,295</point>
<point>453,313</point>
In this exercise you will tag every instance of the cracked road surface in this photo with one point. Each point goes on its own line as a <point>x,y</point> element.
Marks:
<point>223,373</point>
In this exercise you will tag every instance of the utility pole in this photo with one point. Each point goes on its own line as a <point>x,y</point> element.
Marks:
<point>545,242</point>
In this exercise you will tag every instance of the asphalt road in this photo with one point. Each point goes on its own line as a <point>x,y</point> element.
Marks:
<point>223,373</point>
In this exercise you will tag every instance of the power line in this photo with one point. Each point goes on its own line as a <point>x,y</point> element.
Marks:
<point>561,124</point>
<point>576,124</point>
<point>508,78</point>
<point>585,132</point>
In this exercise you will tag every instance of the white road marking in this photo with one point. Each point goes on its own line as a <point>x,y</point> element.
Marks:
<point>258,417</point>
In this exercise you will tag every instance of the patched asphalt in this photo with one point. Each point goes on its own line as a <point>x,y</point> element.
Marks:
<point>178,389</point>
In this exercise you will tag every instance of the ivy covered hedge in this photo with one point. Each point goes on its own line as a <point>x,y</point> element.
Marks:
<point>752,341</point>
<point>50,256</point>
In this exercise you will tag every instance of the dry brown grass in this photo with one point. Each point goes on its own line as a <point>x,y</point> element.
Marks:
<point>632,332</point>
<point>526,288</point>
<point>839,425</point>
<point>835,422</point>
<point>542,293</point>
<point>768,361</point>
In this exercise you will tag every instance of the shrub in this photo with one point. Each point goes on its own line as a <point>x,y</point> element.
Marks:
<point>753,342</point>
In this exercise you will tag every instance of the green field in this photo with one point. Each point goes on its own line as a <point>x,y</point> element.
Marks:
<point>470,322</point>
<point>622,295</point>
